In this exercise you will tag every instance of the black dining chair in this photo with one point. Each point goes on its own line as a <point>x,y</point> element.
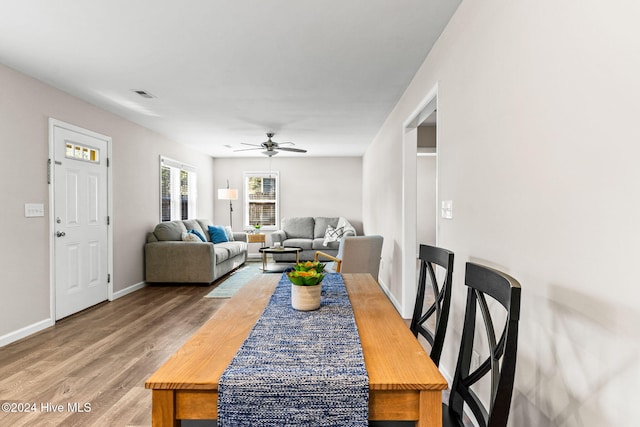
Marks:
<point>484,282</point>
<point>438,312</point>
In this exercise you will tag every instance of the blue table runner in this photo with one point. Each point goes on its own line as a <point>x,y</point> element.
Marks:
<point>298,368</point>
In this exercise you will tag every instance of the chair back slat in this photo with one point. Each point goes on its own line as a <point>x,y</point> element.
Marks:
<point>431,256</point>
<point>491,340</point>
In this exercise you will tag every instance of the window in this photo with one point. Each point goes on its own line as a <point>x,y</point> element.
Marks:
<point>177,190</point>
<point>261,195</point>
<point>80,152</point>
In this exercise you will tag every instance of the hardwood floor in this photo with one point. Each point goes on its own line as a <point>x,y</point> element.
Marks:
<point>100,357</point>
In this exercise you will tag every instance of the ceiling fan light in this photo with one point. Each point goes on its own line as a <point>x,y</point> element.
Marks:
<point>270,152</point>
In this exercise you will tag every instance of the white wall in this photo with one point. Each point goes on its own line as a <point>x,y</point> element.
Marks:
<point>309,186</point>
<point>538,145</point>
<point>25,107</point>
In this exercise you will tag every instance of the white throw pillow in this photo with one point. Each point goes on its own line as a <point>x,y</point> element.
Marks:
<point>229,233</point>
<point>332,235</point>
<point>190,237</point>
<point>347,228</point>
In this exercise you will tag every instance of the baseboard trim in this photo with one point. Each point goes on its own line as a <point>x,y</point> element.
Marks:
<point>25,332</point>
<point>44,324</point>
<point>127,291</point>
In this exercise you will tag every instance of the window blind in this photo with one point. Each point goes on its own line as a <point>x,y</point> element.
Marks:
<point>261,199</point>
<point>178,194</point>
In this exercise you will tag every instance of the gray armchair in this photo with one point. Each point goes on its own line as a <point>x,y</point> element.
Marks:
<point>356,254</point>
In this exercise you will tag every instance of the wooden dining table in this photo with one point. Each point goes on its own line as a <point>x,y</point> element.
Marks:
<point>404,384</point>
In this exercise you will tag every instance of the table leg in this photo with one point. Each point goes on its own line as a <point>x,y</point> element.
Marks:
<point>264,262</point>
<point>297,257</point>
<point>430,409</point>
<point>163,409</point>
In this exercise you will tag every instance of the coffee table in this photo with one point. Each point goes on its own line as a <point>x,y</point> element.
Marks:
<point>278,250</point>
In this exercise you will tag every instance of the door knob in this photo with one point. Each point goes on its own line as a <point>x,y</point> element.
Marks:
<point>61,234</point>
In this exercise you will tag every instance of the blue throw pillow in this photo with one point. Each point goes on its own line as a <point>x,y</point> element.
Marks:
<point>199,234</point>
<point>217,233</point>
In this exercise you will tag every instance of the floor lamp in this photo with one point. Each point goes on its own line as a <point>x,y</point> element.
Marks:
<point>228,194</point>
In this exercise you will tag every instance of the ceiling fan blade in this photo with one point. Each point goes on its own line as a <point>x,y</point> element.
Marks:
<point>295,150</point>
<point>249,149</point>
<point>271,148</point>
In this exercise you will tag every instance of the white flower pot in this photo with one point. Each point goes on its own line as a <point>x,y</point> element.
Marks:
<point>306,298</point>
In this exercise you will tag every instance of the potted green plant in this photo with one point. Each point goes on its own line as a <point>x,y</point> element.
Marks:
<point>306,285</point>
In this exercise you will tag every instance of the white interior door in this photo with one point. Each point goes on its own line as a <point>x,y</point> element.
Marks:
<point>80,219</point>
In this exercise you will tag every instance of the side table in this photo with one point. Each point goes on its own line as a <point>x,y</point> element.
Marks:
<point>257,238</point>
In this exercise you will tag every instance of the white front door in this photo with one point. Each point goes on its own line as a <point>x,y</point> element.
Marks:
<point>80,229</point>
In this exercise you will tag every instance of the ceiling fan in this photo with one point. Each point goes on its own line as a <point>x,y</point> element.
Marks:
<point>271,148</point>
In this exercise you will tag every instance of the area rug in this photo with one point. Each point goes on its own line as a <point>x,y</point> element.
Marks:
<point>235,280</point>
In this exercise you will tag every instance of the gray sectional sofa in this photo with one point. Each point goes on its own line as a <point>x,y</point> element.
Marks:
<point>169,259</point>
<point>310,234</point>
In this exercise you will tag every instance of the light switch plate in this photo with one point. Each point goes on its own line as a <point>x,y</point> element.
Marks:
<point>33,210</point>
<point>447,209</point>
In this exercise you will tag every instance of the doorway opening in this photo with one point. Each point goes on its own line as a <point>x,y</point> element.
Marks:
<point>419,191</point>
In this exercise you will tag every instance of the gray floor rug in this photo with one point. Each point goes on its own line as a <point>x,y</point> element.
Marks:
<point>235,281</point>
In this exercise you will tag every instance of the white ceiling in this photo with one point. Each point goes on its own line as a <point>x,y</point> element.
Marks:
<point>323,74</point>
